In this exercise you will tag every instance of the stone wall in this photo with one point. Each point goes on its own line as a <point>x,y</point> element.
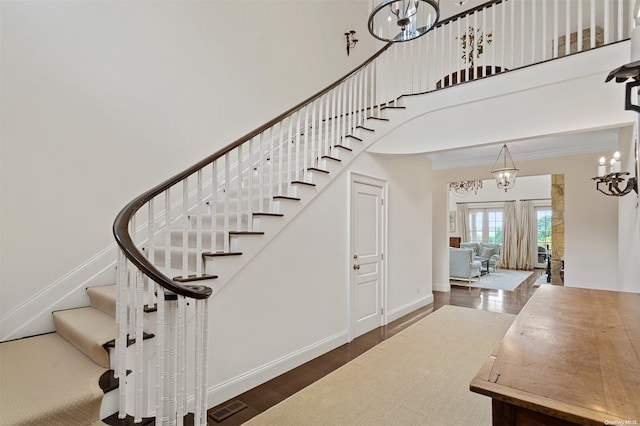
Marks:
<point>557,228</point>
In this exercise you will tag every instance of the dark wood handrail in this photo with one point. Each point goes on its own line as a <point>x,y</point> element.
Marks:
<point>121,223</point>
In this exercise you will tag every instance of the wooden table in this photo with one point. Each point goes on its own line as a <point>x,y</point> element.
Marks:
<point>572,356</point>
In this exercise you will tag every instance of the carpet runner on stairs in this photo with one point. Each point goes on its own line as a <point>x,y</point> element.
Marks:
<point>52,379</point>
<point>44,380</point>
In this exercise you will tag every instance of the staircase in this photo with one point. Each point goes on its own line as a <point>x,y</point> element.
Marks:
<point>184,240</point>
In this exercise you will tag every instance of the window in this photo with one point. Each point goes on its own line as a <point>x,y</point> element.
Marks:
<point>485,225</point>
<point>543,216</point>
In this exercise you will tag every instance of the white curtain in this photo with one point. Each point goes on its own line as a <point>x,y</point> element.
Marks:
<point>463,221</point>
<point>509,252</point>
<point>527,236</point>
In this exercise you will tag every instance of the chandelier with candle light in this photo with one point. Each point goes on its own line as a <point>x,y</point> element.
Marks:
<point>403,20</point>
<point>504,169</point>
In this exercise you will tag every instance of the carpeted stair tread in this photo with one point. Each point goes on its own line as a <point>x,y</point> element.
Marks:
<point>44,380</point>
<point>103,298</point>
<point>88,329</point>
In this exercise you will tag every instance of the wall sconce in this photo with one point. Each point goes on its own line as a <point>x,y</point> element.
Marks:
<point>611,184</point>
<point>351,40</point>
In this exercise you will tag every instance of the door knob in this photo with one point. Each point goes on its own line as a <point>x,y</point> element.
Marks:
<point>356,267</point>
<point>355,256</point>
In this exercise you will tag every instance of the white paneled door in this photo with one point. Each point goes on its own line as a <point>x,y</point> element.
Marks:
<point>367,241</point>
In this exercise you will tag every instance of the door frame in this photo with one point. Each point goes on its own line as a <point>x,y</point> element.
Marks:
<point>355,177</point>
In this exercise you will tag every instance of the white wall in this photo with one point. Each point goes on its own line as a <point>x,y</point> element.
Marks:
<point>290,303</point>
<point>591,221</point>
<point>103,100</point>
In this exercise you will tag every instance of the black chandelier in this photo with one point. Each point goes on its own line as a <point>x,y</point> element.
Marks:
<point>617,183</point>
<point>403,20</point>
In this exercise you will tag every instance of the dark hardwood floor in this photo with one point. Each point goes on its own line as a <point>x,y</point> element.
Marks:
<point>272,392</point>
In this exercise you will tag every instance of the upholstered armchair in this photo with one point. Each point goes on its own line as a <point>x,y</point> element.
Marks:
<point>486,250</point>
<point>462,264</point>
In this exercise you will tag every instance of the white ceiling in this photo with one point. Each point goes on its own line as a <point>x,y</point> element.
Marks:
<point>531,149</point>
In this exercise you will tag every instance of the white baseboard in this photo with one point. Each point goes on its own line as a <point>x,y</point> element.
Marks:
<point>34,315</point>
<point>446,287</point>
<point>231,388</point>
<point>409,307</point>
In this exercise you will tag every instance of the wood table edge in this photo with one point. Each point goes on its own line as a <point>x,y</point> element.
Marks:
<point>572,413</point>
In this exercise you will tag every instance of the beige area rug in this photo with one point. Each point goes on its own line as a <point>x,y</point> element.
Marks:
<point>502,279</point>
<point>418,377</point>
<point>46,381</point>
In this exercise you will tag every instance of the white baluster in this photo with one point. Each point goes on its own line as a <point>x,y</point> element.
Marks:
<point>151,248</point>
<point>305,147</point>
<point>289,157</point>
<point>122,326</point>
<point>160,343</point>
<point>592,29</point>
<point>204,306</point>
<point>270,172</point>
<point>567,30</point>
<point>261,172</point>
<point>226,188</point>
<point>214,206</point>
<point>281,146</point>
<point>185,227</point>
<point>607,22</point>
<point>200,201</point>
<point>555,29</point>
<point>250,174</point>
<point>239,188</point>
<point>580,26</point>
<point>297,145</point>
<point>620,20</point>
<point>314,132</point>
<point>493,51</point>
<point>138,352</point>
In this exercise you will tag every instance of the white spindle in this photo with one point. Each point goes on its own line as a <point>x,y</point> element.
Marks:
<point>281,147</point>
<point>459,69</point>
<point>486,31</point>
<point>270,170</point>
<point>151,241</point>
<point>225,211</point>
<point>512,33</point>
<point>250,174</point>
<point>199,261</point>
<point>314,132</point>
<point>305,146</point>
<point>450,49</point>
<point>181,360</point>
<point>204,306</point>
<point>198,367</point>
<point>122,325</point>
<point>567,29</point>
<point>214,206</point>
<point>522,32</point>
<point>297,145</point>
<point>239,169</point>
<point>544,30</point>
<point>580,26</point>
<point>620,20</point>
<point>503,33</point>
<point>493,51</point>
<point>555,29</point>
<point>138,348</point>
<point>185,227</point>
<point>607,22</point>
<point>289,157</point>
<point>592,29</point>
<point>261,174</point>
<point>160,343</point>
